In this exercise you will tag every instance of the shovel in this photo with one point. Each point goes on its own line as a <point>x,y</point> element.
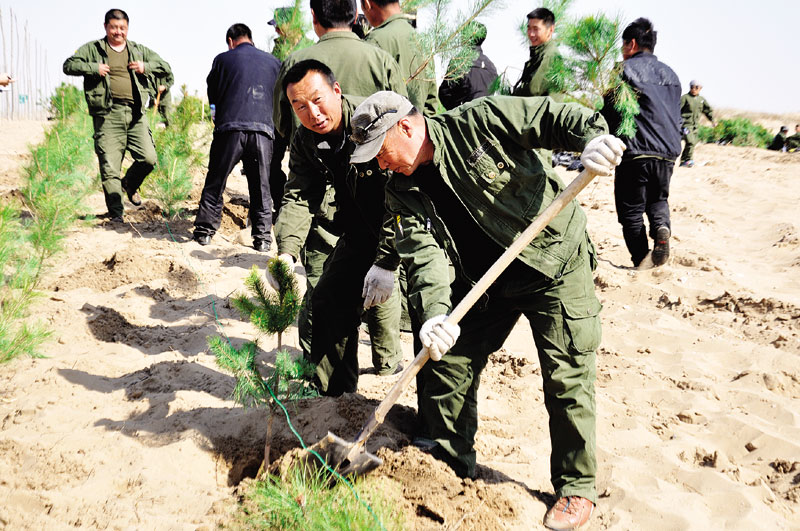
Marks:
<point>351,458</point>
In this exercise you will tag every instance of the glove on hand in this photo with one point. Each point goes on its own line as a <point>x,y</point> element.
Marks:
<point>438,336</point>
<point>602,154</point>
<point>378,286</point>
<point>287,258</point>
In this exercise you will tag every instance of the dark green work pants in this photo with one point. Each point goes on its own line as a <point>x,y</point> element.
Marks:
<point>563,315</point>
<point>337,306</point>
<point>124,128</point>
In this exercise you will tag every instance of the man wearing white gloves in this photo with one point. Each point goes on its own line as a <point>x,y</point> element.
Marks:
<point>359,273</point>
<point>466,183</point>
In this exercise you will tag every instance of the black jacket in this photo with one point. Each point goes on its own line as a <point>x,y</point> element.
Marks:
<point>658,125</point>
<point>474,84</point>
<point>240,85</point>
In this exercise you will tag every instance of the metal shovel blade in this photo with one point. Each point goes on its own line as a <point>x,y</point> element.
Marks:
<point>347,458</point>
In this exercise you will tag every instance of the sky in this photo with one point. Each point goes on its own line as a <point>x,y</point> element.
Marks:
<point>744,54</point>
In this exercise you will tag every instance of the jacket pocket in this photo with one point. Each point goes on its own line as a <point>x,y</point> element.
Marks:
<point>490,167</point>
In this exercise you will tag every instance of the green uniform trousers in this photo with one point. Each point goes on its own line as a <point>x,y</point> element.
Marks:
<point>124,128</point>
<point>691,141</point>
<point>564,318</point>
<point>337,306</point>
<point>383,320</point>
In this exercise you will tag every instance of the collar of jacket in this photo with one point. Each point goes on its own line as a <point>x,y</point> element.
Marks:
<point>643,54</point>
<point>339,35</point>
<point>539,51</point>
<point>398,16</point>
<point>101,44</point>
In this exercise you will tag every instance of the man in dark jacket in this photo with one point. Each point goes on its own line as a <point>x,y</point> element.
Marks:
<point>240,84</point>
<point>475,83</point>
<point>642,180</point>
<point>779,140</point>
<point>115,82</point>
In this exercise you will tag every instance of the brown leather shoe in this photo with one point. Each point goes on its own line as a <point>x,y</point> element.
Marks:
<point>569,512</point>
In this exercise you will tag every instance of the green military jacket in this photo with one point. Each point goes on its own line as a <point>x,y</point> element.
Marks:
<point>691,109</point>
<point>358,199</point>
<point>85,63</point>
<point>793,142</point>
<point>534,80</point>
<point>397,37</point>
<point>360,68</point>
<point>486,152</point>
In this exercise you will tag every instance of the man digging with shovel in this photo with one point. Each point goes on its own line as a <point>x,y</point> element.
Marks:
<point>466,183</point>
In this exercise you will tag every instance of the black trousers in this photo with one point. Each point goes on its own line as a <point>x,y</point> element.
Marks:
<point>277,178</point>
<point>254,150</point>
<point>641,187</point>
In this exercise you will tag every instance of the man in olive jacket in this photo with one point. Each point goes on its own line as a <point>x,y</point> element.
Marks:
<point>544,51</point>
<point>466,183</point>
<point>392,32</point>
<point>693,106</point>
<point>359,272</point>
<point>115,81</point>
<point>361,70</point>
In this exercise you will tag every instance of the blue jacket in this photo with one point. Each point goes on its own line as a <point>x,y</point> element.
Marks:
<point>240,85</point>
<point>658,125</point>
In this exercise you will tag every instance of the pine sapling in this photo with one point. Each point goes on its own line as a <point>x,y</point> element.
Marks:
<point>271,313</point>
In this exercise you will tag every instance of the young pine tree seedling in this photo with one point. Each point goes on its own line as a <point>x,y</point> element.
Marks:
<point>272,313</point>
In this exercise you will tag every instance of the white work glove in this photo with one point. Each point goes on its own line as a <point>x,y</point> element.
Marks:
<point>438,336</point>
<point>287,258</point>
<point>378,286</point>
<point>602,154</point>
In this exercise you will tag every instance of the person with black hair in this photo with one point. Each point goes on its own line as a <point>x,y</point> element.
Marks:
<point>320,160</point>
<point>115,74</point>
<point>475,83</point>
<point>361,69</point>
<point>392,31</point>
<point>240,85</point>
<point>534,80</point>
<point>641,185</point>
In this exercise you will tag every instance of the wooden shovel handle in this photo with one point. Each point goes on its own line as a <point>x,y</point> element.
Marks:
<point>536,226</point>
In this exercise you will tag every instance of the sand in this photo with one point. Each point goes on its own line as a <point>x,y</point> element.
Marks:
<point>128,423</point>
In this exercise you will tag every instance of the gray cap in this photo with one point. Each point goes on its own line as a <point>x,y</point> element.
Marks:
<point>784,129</point>
<point>695,83</point>
<point>376,115</point>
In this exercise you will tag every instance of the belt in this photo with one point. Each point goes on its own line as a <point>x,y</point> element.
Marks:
<point>122,102</point>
